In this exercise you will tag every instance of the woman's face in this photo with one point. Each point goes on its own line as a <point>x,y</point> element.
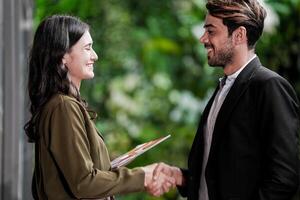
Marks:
<point>80,60</point>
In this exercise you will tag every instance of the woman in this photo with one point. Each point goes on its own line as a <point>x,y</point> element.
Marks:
<point>71,159</point>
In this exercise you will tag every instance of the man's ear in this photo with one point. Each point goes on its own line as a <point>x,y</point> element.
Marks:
<point>240,35</point>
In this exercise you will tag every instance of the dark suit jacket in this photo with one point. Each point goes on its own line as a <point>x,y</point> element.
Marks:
<point>254,152</point>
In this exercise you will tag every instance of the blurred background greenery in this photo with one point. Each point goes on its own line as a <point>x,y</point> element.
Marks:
<point>152,78</point>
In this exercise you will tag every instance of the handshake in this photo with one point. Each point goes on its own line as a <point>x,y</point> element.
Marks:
<point>160,178</point>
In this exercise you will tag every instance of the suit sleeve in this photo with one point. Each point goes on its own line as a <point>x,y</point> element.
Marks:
<point>279,128</point>
<point>183,190</point>
<point>69,146</point>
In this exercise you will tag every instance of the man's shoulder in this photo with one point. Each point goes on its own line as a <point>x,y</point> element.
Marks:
<point>267,80</point>
<point>263,75</point>
<point>256,72</point>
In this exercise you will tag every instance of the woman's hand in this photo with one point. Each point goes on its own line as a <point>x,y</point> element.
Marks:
<point>162,182</point>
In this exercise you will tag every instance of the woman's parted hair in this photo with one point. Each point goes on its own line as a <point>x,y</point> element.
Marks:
<point>236,13</point>
<point>53,38</point>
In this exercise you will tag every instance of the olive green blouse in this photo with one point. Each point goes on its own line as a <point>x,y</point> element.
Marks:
<point>72,161</point>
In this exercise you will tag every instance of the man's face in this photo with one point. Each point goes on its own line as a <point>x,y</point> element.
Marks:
<point>217,42</point>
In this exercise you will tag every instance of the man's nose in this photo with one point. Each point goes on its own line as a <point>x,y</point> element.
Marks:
<point>203,38</point>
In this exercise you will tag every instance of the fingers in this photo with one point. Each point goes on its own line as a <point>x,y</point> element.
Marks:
<point>162,180</point>
<point>155,191</point>
<point>159,187</point>
<point>168,184</point>
<point>161,168</point>
<point>170,181</point>
<point>170,171</point>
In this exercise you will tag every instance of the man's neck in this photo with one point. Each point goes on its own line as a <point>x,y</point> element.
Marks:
<point>239,60</point>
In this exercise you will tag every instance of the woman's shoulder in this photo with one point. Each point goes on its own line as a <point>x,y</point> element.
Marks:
<point>59,100</point>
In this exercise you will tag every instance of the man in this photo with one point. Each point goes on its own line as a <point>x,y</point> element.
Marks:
<point>246,143</point>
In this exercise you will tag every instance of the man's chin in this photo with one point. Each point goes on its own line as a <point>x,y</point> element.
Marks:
<point>214,64</point>
<point>211,62</point>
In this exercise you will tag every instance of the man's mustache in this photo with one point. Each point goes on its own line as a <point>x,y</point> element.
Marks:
<point>208,46</point>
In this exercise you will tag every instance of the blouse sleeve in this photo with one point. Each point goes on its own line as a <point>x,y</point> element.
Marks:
<point>69,146</point>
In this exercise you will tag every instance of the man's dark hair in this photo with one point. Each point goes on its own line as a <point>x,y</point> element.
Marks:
<point>235,13</point>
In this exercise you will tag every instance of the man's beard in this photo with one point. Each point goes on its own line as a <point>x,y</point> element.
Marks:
<point>221,57</point>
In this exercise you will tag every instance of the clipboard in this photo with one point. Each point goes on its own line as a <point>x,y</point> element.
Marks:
<point>128,157</point>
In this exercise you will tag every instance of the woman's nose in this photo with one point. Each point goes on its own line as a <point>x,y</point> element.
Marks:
<point>94,55</point>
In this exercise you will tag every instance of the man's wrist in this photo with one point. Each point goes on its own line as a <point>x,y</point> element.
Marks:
<point>178,176</point>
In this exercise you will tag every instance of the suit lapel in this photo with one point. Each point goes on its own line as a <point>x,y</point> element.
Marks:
<point>198,145</point>
<point>234,95</point>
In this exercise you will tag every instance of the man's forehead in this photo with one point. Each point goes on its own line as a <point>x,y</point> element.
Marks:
<point>211,21</point>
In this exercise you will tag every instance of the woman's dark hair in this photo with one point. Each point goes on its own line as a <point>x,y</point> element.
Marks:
<point>236,13</point>
<point>47,76</point>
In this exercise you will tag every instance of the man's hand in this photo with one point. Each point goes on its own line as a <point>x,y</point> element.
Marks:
<point>160,178</point>
<point>170,171</point>
<point>159,185</point>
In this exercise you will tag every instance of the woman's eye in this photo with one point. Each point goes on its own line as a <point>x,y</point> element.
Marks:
<point>88,47</point>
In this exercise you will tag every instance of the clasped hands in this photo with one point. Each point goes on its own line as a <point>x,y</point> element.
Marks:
<point>160,178</point>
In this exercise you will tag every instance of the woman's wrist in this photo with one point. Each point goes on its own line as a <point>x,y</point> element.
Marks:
<point>148,170</point>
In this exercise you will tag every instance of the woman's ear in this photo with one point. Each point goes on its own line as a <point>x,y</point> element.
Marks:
<point>65,59</point>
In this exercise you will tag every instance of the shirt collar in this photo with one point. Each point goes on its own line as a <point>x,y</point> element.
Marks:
<point>233,76</point>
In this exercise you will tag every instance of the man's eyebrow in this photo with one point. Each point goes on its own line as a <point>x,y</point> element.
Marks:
<point>208,26</point>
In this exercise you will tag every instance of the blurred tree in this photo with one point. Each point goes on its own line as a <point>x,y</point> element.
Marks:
<point>152,77</point>
<point>280,49</point>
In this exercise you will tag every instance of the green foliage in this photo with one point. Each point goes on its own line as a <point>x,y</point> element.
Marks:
<point>152,78</point>
<point>281,49</point>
